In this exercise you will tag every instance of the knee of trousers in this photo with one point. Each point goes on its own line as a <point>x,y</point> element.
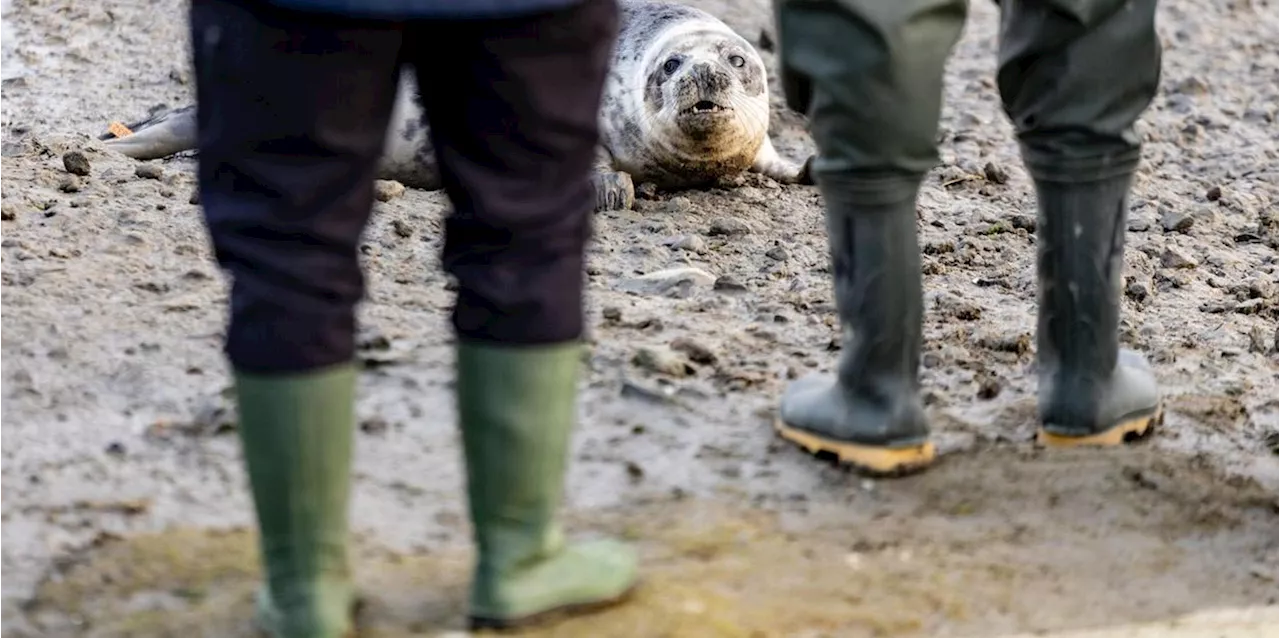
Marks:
<point>292,305</point>
<point>520,278</point>
<point>873,76</point>
<point>1075,77</point>
<point>857,191</point>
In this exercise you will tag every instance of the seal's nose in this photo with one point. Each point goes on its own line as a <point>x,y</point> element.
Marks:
<point>709,79</point>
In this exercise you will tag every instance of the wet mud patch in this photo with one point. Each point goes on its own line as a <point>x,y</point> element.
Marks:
<point>985,545</point>
<point>702,305</point>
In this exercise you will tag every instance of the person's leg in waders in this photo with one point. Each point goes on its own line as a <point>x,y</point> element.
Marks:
<point>291,111</point>
<point>869,75</point>
<point>1075,76</point>
<point>513,115</point>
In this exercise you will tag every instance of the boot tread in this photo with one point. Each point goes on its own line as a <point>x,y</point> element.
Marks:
<point>871,460</point>
<point>1127,429</point>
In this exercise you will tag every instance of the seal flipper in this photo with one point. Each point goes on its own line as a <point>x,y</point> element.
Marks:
<point>806,172</point>
<point>769,163</point>
<point>614,189</point>
<point>162,135</point>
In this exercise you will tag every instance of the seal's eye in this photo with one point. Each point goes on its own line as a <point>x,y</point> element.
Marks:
<point>737,61</point>
<point>671,65</point>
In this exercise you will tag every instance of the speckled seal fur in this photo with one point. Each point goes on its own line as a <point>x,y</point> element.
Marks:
<point>686,104</point>
<point>686,101</point>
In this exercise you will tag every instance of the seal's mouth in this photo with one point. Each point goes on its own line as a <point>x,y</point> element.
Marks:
<point>704,107</point>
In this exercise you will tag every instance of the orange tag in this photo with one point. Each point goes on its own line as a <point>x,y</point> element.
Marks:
<point>119,130</point>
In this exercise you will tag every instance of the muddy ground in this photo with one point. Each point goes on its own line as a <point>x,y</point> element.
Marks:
<point>124,507</point>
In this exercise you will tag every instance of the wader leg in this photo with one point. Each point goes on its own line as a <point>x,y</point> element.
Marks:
<point>869,76</point>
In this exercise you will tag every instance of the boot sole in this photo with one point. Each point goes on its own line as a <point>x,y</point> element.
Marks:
<point>357,608</point>
<point>1128,430</point>
<point>869,460</point>
<point>478,623</point>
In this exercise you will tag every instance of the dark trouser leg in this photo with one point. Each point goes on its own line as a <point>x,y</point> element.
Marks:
<point>291,112</point>
<point>513,119</point>
<point>870,76</point>
<point>1074,77</point>
<point>514,125</point>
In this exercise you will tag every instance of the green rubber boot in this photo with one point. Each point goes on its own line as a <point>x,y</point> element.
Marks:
<point>1092,392</point>
<point>296,434</point>
<point>517,407</point>
<point>868,414</point>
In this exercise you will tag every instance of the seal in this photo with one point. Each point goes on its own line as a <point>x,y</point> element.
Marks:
<point>685,105</point>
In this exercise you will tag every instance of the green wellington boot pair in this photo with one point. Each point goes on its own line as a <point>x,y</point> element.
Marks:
<point>517,407</point>
<point>869,415</point>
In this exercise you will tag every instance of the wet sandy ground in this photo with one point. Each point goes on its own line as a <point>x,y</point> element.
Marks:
<point>124,508</point>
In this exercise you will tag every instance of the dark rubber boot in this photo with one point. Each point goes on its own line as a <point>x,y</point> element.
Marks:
<point>1091,391</point>
<point>869,414</point>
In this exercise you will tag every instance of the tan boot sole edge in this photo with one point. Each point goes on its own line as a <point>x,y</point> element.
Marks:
<point>1138,427</point>
<point>869,459</point>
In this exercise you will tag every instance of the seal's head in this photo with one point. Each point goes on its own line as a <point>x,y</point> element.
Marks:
<point>705,93</point>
